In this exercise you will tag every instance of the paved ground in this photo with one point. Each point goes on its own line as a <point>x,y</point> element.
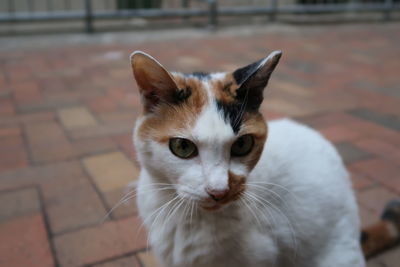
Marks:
<point>66,113</point>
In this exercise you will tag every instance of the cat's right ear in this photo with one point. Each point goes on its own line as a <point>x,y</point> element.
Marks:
<point>155,82</point>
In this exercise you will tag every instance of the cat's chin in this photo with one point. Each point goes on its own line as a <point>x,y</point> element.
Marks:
<point>212,206</point>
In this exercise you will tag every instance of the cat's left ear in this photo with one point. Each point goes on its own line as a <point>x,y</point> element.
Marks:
<point>253,78</point>
<point>156,84</point>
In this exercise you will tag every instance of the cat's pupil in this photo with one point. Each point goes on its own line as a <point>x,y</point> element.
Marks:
<point>240,142</point>
<point>184,145</point>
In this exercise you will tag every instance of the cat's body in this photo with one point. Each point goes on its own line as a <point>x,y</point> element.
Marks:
<point>319,227</point>
<point>211,194</point>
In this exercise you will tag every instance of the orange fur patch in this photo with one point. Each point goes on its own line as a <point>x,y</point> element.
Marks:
<point>377,237</point>
<point>225,89</point>
<point>168,120</point>
<point>254,123</point>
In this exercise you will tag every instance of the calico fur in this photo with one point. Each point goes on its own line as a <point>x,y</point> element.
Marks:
<point>290,201</point>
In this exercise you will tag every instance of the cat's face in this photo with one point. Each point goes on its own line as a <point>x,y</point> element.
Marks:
<point>202,133</point>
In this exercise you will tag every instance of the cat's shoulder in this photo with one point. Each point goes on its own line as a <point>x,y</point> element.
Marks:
<point>290,139</point>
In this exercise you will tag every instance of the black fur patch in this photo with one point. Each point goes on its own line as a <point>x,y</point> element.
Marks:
<point>233,113</point>
<point>364,237</point>
<point>181,95</point>
<point>241,75</point>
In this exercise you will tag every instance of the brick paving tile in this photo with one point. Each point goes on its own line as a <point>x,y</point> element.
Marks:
<point>124,209</point>
<point>35,175</point>
<point>386,120</point>
<point>13,153</point>
<point>27,118</point>
<point>391,258</point>
<point>380,148</point>
<point>111,171</point>
<point>102,104</point>
<point>130,261</point>
<point>18,203</point>
<point>50,146</point>
<point>103,130</point>
<point>148,259</point>
<point>94,244</point>
<point>375,263</point>
<point>71,201</point>
<point>350,153</point>
<point>367,216</point>
<point>9,131</point>
<point>88,146</point>
<point>339,133</point>
<point>27,92</point>
<point>6,107</point>
<point>360,181</point>
<point>24,243</point>
<point>76,117</point>
<point>380,170</point>
<point>125,143</point>
<point>68,196</point>
<point>375,198</point>
<point>126,116</point>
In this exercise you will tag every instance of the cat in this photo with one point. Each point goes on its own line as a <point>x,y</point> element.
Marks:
<point>220,187</point>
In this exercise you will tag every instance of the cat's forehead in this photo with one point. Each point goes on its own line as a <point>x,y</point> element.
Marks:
<point>211,123</point>
<point>199,110</point>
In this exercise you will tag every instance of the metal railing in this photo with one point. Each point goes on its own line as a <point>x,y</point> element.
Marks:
<point>12,11</point>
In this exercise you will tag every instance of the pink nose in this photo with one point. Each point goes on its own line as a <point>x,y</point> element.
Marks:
<point>217,194</point>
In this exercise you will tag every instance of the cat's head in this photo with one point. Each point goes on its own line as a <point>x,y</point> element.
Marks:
<point>202,133</point>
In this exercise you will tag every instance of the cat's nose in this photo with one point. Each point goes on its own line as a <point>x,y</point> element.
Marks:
<point>217,194</point>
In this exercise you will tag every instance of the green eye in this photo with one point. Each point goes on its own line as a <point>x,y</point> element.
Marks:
<point>242,146</point>
<point>182,148</point>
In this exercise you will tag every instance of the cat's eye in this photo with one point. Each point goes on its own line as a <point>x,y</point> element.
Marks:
<point>182,148</point>
<point>242,146</point>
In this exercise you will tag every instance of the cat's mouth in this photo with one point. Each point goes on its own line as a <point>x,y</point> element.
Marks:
<point>212,205</point>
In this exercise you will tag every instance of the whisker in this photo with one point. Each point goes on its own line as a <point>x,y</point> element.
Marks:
<point>250,209</point>
<point>271,205</point>
<point>130,195</point>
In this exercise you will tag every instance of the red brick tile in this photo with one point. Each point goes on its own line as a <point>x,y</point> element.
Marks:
<point>88,146</point>
<point>24,243</point>
<point>121,210</point>
<point>6,107</point>
<point>360,181</point>
<point>130,261</point>
<point>12,153</point>
<point>391,258</point>
<point>19,203</point>
<point>9,131</point>
<point>125,142</point>
<point>103,130</point>
<point>375,199</point>
<point>26,118</point>
<point>339,133</point>
<point>26,92</point>
<point>19,73</point>
<point>94,244</point>
<point>48,142</point>
<point>329,119</point>
<point>367,216</point>
<point>381,171</point>
<point>102,104</point>
<point>369,129</point>
<point>380,148</point>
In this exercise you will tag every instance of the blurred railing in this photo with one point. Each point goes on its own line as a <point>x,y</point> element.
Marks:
<point>12,11</point>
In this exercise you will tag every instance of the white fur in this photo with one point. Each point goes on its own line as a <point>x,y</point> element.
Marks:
<point>313,221</point>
